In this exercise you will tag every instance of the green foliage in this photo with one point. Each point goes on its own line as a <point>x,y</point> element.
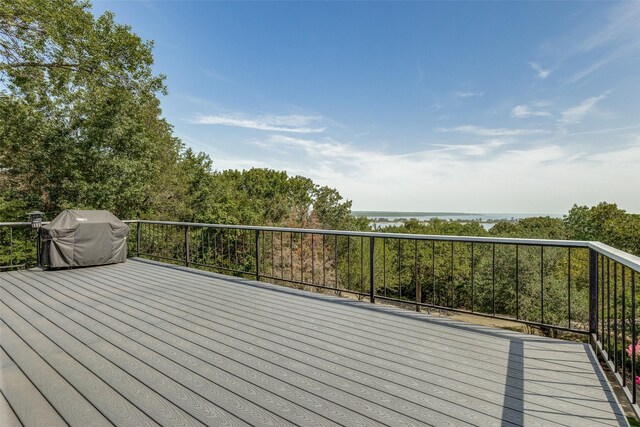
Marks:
<point>605,223</point>
<point>531,228</point>
<point>438,227</point>
<point>80,120</point>
<point>81,127</point>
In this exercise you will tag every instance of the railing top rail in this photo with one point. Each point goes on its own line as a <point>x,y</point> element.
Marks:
<point>622,257</point>
<point>447,238</point>
<point>19,224</point>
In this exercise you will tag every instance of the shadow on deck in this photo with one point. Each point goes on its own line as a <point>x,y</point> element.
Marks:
<point>145,343</point>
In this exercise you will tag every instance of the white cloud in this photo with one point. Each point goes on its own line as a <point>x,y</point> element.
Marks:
<point>482,177</point>
<point>542,73</point>
<point>575,114</point>
<point>620,27</point>
<point>605,38</point>
<point>481,131</point>
<point>271,123</point>
<point>479,149</point>
<point>523,111</point>
<point>460,94</point>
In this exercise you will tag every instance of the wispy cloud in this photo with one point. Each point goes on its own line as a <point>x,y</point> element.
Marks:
<point>363,173</point>
<point>524,111</point>
<point>271,123</point>
<point>541,72</point>
<point>608,37</point>
<point>619,27</point>
<point>476,150</point>
<point>482,131</point>
<point>467,94</point>
<point>575,114</point>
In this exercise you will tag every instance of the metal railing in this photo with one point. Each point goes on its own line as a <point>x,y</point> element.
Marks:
<point>580,287</point>
<point>18,245</point>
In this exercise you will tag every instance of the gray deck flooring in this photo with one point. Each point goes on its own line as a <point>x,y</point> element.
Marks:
<point>144,343</point>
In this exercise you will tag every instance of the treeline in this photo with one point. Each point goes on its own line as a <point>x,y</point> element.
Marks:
<point>81,127</point>
<point>604,222</point>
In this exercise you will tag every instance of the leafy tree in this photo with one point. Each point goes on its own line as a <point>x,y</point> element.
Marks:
<point>80,120</point>
<point>605,223</point>
<point>531,228</point>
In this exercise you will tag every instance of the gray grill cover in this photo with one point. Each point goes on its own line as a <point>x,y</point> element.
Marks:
<point>83,238</point>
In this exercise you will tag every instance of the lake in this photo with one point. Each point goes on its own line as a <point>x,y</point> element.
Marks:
<point>487,220</point>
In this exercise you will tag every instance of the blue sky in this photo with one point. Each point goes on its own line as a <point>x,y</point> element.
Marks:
<point>435,106</point>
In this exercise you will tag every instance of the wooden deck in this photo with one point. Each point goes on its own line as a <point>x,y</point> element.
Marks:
<point>144,343</point>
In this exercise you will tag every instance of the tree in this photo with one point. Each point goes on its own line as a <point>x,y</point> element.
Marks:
<point>531,228</point>
<point>605,223</point>
<point>80,122</point>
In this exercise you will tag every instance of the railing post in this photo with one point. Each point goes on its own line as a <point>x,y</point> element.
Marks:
<point>593,293</point>
<point>38,243</point>
<point>187,255</point>
<point>258,255</point>
<point>372,270</point>
<point>138,234</point>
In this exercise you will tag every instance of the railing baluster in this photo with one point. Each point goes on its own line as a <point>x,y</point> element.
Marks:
<point>517,282</point>
<point>615,316</point>
<point>453,282</point>
<point>313,270</point>
<point>569,288</point>
<point>602,281</point>
<point>335,257</point>
<point>324,261</point>
<point>138,239</point>
<point>348,262</point>
<point>273,257</point>
<point>257,247</point>
<point>493,278</point>
<point>634,336</point>
<point>361,265</point>
<point>384,264</point>
<point>417,280</point>
<point>608,309</point>
<point>433,271</point>
<point>542,284</point>
<point>372,270</point>
<point>624,335</point>
<point>187,255</point>
<point>400,267</point>
<point>594,288</point>
<point>472,274</point>
<point>11,247</point>
<point>281,257</point>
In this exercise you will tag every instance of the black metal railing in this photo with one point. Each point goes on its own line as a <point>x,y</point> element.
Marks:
<point>542,283</point>
<point>579,287</point>
<point>18,245</point>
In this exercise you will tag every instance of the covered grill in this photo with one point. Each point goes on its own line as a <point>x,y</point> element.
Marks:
<point>81,238</point>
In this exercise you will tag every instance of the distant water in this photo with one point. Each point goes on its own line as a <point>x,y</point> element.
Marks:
<point>487,220</point>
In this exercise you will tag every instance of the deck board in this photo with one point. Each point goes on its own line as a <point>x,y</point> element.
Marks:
<point>177,346</point>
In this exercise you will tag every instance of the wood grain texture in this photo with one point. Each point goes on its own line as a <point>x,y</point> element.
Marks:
<point>70,404</point>
<point>476,407</point>
<point>8,418</point>
<point>114,407</point>
<point>177,345</point>
<point>28,404</point>
<point>161,410</point>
